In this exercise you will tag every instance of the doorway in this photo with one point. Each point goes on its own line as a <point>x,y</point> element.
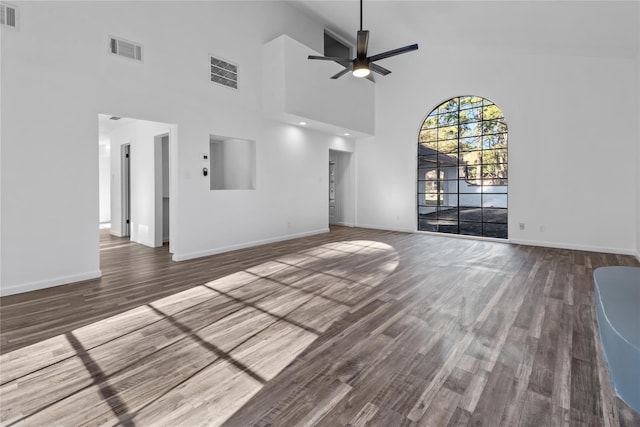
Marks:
<point>162,182</point>
<point>332,192</point>
<point>341,203</point>
<point>140,177</point>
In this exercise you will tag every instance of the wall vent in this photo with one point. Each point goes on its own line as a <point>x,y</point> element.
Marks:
<point>125,48</point>
<point>224,73</point>
<point>8,15</point>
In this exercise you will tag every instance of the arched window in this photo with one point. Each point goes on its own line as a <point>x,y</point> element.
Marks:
<point>462,169</point>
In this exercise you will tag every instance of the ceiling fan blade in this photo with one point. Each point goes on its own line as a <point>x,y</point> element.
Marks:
<point>393,52</point>
<point>363,42</point>
<point>378,69</point>
<point>341,73</point>
<point>326,58</point>
<point>345,62</point>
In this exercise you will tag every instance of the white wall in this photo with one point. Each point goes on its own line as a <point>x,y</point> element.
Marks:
<point>50,218</point>
<point>296,89</point>
<point>144,187</point>
<point>104,178</point>
<point>567,164</point>
<point>289,200</point>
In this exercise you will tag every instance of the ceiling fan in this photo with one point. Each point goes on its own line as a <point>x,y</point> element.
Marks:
<point>362,65</point>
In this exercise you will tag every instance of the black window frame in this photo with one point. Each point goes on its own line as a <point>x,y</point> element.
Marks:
<point>489,216</point>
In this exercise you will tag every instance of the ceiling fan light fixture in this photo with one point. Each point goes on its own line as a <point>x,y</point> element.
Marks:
<point>361,67</point>
<point>362,71</point>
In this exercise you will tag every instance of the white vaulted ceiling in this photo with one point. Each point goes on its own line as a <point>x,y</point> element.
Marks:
<point>593,28</point>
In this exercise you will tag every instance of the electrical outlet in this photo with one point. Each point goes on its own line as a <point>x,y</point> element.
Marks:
<point>522,226</point>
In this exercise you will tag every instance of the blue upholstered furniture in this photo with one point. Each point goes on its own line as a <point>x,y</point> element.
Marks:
<point>618,312</point>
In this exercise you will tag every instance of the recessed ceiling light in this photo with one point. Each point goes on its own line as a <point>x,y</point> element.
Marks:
<point>303,123</point>
<point>347,134</point>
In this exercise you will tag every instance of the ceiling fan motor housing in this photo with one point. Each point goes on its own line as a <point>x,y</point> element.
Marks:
<point>360,63</point>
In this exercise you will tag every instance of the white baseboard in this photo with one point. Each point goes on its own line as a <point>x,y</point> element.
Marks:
<point>42,284</point>
<point>574,247</point>
<point>115,233</point>
<point>571,246</point>
<point>147,243</point>
<point>344,224</point>
<point>385,228</point>
<point>215,251</point>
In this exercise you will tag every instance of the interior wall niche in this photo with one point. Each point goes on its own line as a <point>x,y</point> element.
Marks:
<point>232,163</point>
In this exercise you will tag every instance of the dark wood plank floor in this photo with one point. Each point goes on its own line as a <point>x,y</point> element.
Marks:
<point>355,327</point>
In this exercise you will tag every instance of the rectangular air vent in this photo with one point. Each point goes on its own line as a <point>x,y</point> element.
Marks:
<point>8,15</point>
<point>125,48</point>
<point>224,73</point>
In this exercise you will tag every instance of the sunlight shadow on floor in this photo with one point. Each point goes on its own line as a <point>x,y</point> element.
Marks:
<point>197,356</point>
